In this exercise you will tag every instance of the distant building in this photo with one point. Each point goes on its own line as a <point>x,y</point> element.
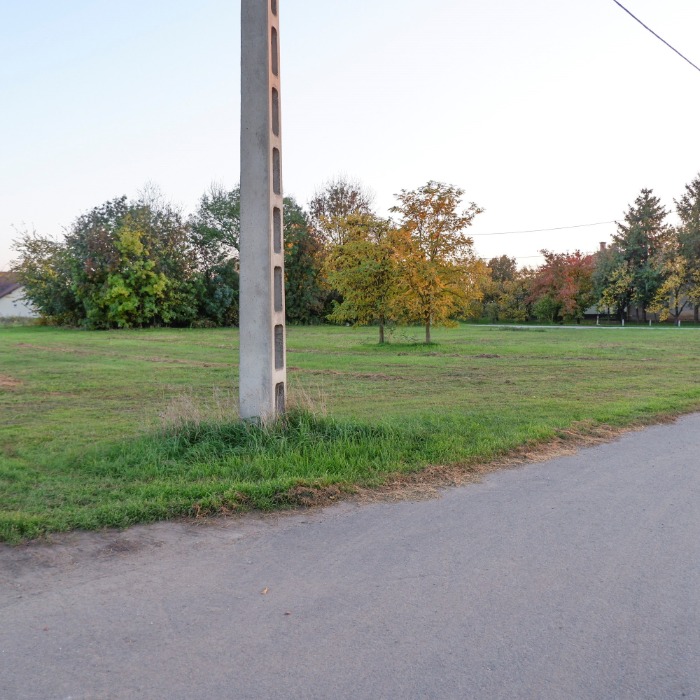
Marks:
<point>12,302</point>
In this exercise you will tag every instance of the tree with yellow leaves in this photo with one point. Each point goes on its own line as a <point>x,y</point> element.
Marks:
<point>438,265</point>
<point>364,269</point>
<point>681,281</point>
<point>671,298</point>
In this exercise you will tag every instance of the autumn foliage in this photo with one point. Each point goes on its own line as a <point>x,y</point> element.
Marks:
<point>439,268</point>
<point>564,286</point>
<point>365,270</point>
<point>143,263</point>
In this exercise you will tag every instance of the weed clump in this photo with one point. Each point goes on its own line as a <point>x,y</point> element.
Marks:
<point>297,430</point>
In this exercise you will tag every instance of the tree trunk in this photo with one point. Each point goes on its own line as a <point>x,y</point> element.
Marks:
<point>381,332</point>
<point>696,313</point>
<point>427,332</point>
<point>644,315</point>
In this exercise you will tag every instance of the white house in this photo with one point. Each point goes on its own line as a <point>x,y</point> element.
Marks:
<point>12,302</point>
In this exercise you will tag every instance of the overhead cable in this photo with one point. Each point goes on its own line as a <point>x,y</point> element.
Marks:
<point>649,29</point>
<point>513,257</point>
<point>542,230</point>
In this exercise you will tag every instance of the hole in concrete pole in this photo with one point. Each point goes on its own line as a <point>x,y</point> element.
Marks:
<point>278,289</point>
<point>275,52</point>
<point>275,112</point>
<point>274,7</point>
<point>276,171</point>
<point>279,347</point>
<point>277,229</point>
<point>279,398</point>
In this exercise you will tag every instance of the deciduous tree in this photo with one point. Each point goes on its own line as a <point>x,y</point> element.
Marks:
<point>215,236</point>
<point>688,210</point>
<point>332,204</point>
<point>303,258</point>
<point>365,270</point>
<point>438,265</point>
<point>618,288</point>
<point>216,226</point>
<point>133,291</point>
<point>43,268</point>
<point>122,250</point>
<point>503,269</point>
<point>673,294</point>
<point>565,280</point>
<point>507,293</point>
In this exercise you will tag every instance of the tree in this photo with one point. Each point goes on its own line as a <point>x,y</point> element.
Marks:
<point>514,301</point>
<point>44,271</point>
<point>304,292</point>
<point>681,276</point>
<point>506,295</point>
<point>618,289</point>
<point>215,236</point>
<point>216,225</point>
<point>438,261</point>
<point>477,282</point>
<point>217,293</point>
<point>606,276</point>
<point>641,240</point>
<point>565,280</point>
<point>503,269</point>
<point>365,270</point>
<point>130,263</point>
<point>333,204</point>
<point>167,235</point>
<point>547,309</point>
<point>134,290</point>
<point>672,296</point>
<point>92,255</point>
<point>688,210</point>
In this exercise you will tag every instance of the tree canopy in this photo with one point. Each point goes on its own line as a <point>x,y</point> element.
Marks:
<point>141,262</point>
<point>365,270</point>
<point>338,199</point>
<point>438,262</point>
<point>641,239</point>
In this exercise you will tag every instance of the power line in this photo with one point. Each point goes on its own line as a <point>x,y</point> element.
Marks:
<point>542,230</point>
<point>649,29</point>
<point>514,257</point>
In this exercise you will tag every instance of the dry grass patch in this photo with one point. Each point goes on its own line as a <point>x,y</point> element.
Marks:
<point>9,383</point>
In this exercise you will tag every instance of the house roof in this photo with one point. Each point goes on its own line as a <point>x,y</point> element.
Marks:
<point>8,283</point>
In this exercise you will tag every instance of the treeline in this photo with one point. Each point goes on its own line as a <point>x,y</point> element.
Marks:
<point>142,263</point>
<point>650,267</point>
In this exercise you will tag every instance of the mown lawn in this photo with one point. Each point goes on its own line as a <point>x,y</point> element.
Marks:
<point>112,428</point>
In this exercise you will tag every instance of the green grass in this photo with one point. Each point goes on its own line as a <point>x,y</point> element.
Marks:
<point>115,428</point>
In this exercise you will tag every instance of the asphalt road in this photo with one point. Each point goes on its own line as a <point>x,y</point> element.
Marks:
<point>576,578</point>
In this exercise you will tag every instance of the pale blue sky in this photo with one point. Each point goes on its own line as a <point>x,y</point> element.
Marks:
<point>547,112</point>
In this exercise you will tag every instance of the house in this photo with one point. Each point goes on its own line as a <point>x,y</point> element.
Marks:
<point>12,302</point>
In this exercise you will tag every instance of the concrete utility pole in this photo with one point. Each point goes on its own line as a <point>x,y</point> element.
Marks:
<point>263,375</point>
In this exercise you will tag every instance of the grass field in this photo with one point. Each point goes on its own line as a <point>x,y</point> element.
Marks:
<point>112,428</point>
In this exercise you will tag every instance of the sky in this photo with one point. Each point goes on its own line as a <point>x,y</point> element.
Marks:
<point>547,113</point>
